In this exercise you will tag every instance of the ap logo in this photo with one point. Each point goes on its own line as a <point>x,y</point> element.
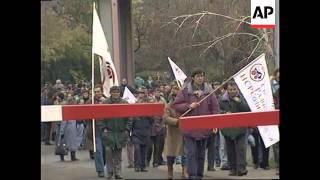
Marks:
<point>263,13</point>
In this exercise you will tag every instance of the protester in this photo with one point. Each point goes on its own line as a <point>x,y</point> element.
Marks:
<point>196,140</point>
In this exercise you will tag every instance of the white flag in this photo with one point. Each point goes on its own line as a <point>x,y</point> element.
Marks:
<point>128,96</point>
<point>178,73</point>
<point>100,47</point>
<point>253,81</point>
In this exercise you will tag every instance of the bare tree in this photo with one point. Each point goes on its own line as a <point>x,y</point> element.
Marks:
<point>233,26</point>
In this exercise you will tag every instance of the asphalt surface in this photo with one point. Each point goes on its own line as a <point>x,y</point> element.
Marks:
<point>84,169</point>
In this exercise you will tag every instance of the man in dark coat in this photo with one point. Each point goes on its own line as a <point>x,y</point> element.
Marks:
<point>141,132</point>
<point>232,102</point>
<point>123,85</point>
<point>114,134</point>
<point>196,140</point>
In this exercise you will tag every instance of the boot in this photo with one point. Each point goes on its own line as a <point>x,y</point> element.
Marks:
<point>91,154</point>
<point>61,157</point>
<point>184,173</point>
<point>170,171</point>
<point>73,156</point>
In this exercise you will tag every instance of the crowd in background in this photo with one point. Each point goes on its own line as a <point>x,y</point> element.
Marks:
<point>156,141</point>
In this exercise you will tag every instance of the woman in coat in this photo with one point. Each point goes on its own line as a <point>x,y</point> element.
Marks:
<point>174,140</point>
<point>69,133</point>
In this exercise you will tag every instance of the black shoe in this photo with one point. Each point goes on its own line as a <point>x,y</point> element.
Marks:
<point>233,173</point>
<point>137,169</point>
<point>225,168</point>
<point>73,156</point>
<point>47,143</point>
<point>61,157</point>
<point>100,174</point>
<point>266,168</point>
<point>129,166</point>
<point>143,170</point>
<point>242,173</point>
<point>211,169</point>
<point>118,177</point>
<point>255,166</point>
<point>91,154</point>
<point>218,164</point>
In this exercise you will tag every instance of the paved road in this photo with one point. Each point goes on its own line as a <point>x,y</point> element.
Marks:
<point>53,169</point>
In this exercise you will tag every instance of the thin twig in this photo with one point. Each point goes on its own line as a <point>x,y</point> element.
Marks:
<point>254,49</point>
<point>228,35</point>
<point>197,23</point>
<point>241,23</point>
<point>228,17</point>
<point>166,24</point>
<point>182,23</point>
<point>186,16</point>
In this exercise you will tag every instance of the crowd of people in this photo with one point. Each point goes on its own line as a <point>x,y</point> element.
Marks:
<point>158,140</point>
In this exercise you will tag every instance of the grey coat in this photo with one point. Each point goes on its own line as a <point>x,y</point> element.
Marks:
<point>72,134</point>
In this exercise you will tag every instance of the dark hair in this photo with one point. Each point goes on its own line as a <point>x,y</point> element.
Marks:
<point>61,95</point>
<point>197,71</point>
<point>157,89</point>
<point>114,88</point>
<point>216,83</point>
<point>231,83</point>
<point>99,86</point>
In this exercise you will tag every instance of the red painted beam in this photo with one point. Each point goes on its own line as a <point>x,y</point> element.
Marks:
<point>96,111</point>
<point>244,119</point>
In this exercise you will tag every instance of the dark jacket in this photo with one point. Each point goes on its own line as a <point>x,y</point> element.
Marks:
<point>141,130</point>
<point>158,127</point>
<point>229,105</point>
<point>208,106</point>
<point>115,131</point>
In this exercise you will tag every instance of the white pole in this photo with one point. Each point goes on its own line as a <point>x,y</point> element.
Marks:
<point>92,92</point>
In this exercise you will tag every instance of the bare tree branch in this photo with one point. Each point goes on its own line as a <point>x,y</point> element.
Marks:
<point>219,39</point>
<point>197,23</point>
<point>186,16</point>
<point>182,23</point>
<point>215,41</point>
<point>241,23</point>
<point>254,49</point>
<point>166,24</point>
<point>262,35</point>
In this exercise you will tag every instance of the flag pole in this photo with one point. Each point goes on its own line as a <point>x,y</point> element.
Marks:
<point>208,95</point>
<point>92,90</point>
<point>222,84</point>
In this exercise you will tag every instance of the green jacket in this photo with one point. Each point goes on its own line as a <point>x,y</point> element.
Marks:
<point>115,131</point>
<point>229,105</point>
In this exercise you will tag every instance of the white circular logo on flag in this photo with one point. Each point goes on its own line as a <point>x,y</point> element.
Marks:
<point>257,72</point>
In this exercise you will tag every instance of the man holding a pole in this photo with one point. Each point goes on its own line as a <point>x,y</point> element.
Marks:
<point>196,140</point>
